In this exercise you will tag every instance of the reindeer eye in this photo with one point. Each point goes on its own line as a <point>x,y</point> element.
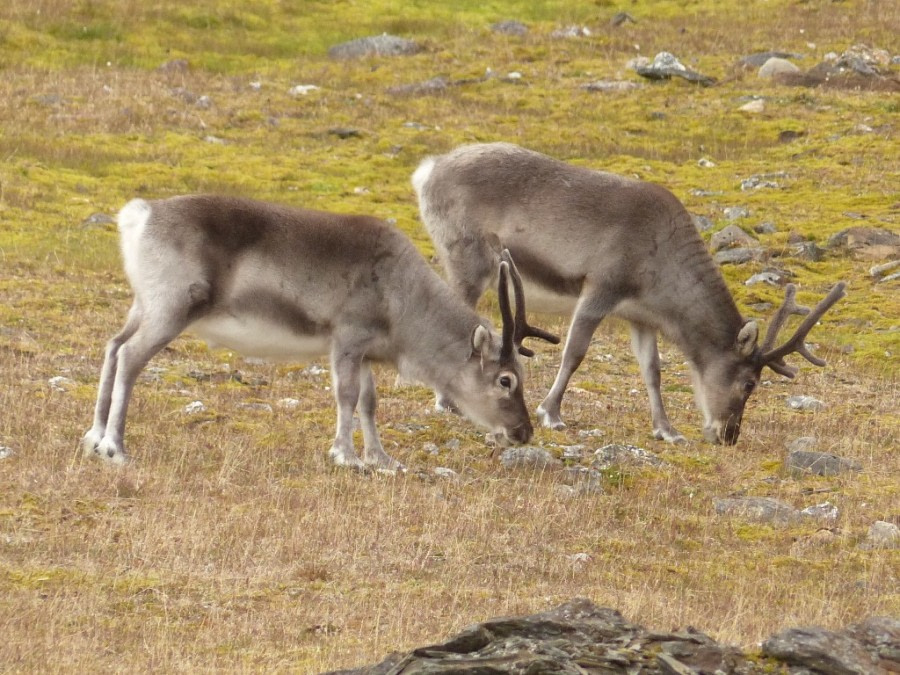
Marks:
<point>749,386</point>
<point>505,381</point>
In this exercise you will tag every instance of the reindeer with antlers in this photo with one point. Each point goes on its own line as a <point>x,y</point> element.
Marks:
<point>595,244</point>
<point>285,284</point>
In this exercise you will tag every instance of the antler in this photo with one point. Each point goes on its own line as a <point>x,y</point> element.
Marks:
<point>522,328</point>
<point>507,343</point>
<point>774,358</point>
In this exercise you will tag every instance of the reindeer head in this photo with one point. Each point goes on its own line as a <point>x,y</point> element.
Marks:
<point>723,385</point>
<point>490,390</point>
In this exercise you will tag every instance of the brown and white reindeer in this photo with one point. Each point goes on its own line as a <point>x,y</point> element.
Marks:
<point>596,244</point>
<point>285,283</point>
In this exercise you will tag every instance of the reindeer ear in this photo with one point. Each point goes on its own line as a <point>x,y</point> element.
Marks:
<point>747,337</point>
<point>481,340</point>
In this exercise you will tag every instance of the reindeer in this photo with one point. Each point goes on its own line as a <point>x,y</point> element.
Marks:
<point>596,244</point>
<point>285,283</point>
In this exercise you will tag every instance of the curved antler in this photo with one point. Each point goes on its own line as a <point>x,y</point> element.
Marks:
<point>774,358</point>
<point>522,328</point>
<point>507,343</point>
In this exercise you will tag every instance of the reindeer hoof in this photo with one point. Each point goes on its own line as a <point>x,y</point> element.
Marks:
<point>670,436</point>
<point>549,420</point>
<point>349,459</point>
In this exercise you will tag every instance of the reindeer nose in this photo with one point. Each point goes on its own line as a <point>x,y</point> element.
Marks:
<point>522,433</point>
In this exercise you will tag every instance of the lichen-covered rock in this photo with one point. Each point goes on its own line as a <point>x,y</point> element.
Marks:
<point>810,462</point>
<point>580,637</point>
<point>528,457</point>
<point>377,45</point>
<point>756,509</point>
<point>731,236</point>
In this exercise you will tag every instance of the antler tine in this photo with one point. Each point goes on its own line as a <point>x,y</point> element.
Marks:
<point>775,358</point>
<point>507,343</point>
<point>787,307</point>
<point>523,329</point>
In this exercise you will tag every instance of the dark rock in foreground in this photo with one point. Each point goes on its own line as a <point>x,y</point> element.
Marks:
<point>579,637</point>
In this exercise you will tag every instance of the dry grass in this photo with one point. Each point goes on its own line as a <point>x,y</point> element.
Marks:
<point>231,544</point>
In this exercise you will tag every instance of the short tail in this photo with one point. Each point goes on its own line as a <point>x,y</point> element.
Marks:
<point>422,174</point>
<point>133,216</point>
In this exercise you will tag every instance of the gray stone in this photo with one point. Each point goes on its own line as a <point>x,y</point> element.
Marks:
<point>665,66</point>
<point>445,473</point>
<point>759,59</point>
<point>702,223</point>
<point>805,403</point>
<point>571,32</point>
<point>528,457</point>
<point>776,65</point>
<point>821,650</point>
<point>6,452</point>
<point>771,278</point>
<point>765,228</point>
<point>756,509</point>
<point>825,512</point>
<point>610,85</point>
<point>736,212</point>
<point>807,250</point>
<point>731,236</point>
<point>431,449</point>
<point>510,27</point>
<point>616,454</point>
<point>435,85</point>
<point>881,271</point>
<point>882,535</point>
<point>737,256</point>
<point>802,443</point>
<point>580,637</point>
<point>377,45</point>
<point>810,462</point>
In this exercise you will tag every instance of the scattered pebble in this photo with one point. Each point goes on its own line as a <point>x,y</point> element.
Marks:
<point>259,407</point>
<point>288,403</point>
<point>6,452</point>
<point>445,473</point>
<point>510,27</point>
<point>771,278</point>
<point>756,509</point>
<point>617,454</point>
<point>611,85</point>
<point>60,383</point>
<point>705,163</point>
<point>215,140</point>
<point>302,89</point>
<point>805,403</point>
<point>736,212</point>
<point>431,448</point>
<point>528,457</point>
<point>825,512</point>
<point>755,106</point>
<point>194,407</point>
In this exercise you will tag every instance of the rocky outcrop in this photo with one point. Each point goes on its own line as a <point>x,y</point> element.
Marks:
<point>579,637</point>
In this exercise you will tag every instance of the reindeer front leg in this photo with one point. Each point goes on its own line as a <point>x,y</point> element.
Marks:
<point>345,380</point>
<point>373,451</point>
<point>643,344</point>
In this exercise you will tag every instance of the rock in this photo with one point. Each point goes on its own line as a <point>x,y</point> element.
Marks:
<point>824,512</point>
<point>665,66</point>
<point>776,66</point>
<point>702,223</point>
<point>98,219</point>
<point>571,32</point>
<point>821,650</point>
<point>580,637</point>
<point>431,448</point>
<point>731,236</point>
<point>377,45</point>
<point>754,106</point>
<point>756,509</point>
<point>807,250</point>
<point>788,135</point>
<point>204,102</point>
<point>194,407</point>
<point>215,140</point>
<point>435,85</point>
<point>762,180</point>
<point>610,85</point>
<point>288,403</point>
<point>860,67</point>
<point>882,535</point>
<point>510,27</point>
<point>344,132</point>
<point>735,212</point>
<point>620,18</point>
<point>445,473</point>
<point>528,457</point>
<point>805,403</point>
<point>704,163</point>
<point>256,407</point>
<point>573,452</point>
<point>771,278</point>
<point>302,89</point>
<point>737,256</point>
<point>60,383</point>
<point>759,59</point>
<point>868,242</point>
<point>810,462</point>
<point>6,452</point>
<point>881,271</point>
<point>616,454</point>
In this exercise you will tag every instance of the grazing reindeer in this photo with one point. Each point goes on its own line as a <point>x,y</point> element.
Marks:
<point>284,283</point>
<point>596,244</point>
